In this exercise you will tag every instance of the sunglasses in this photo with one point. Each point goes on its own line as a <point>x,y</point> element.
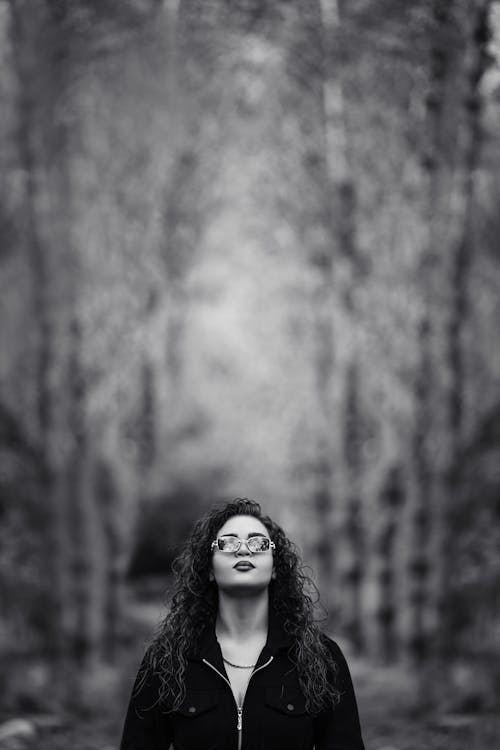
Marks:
<point>233,544</point>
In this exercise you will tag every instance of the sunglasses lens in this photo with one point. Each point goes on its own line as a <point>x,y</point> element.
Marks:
<point>228,545</point>
<point>258,544</point>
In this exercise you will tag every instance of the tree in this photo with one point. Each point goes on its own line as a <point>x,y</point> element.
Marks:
<point>85,331</point>
<point>46,239</point>
<point>450,157</point>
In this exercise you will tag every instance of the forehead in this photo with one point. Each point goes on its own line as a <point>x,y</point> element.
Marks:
<point>243,526</point>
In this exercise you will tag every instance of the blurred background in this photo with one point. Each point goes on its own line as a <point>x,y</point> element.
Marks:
<point>250,248</point>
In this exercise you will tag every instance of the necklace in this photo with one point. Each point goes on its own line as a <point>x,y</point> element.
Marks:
<point>238,666</point>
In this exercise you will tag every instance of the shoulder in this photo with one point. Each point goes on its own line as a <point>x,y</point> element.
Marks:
<point>339,661</point>
<point>146,688</point>
<point>332,646</point>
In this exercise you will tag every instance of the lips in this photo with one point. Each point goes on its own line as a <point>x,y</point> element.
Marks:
<point>243,565</point>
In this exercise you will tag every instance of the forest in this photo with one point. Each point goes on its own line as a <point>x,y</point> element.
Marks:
<point>250,248</point>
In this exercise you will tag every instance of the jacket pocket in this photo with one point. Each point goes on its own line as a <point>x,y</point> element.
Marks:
<point>197,702</point>
<point>288,701</point>
<point>196,721</point>
<point>286,722</point>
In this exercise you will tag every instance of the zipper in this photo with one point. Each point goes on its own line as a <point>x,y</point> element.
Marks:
<point>239,709</point>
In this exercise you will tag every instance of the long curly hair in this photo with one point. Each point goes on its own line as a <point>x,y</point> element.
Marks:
<point>292,595</point>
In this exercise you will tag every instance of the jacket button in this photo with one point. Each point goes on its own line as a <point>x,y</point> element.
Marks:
<point>192,710</point>
<point>290,707</point>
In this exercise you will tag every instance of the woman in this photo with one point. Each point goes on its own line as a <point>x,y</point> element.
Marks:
<point>238,662</point>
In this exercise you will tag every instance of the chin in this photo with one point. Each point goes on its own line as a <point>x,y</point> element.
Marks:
<point>244,588</point>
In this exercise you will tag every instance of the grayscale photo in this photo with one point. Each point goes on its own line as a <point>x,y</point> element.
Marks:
<point>249,374</point>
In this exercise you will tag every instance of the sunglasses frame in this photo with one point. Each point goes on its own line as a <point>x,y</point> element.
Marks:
<point>215,545</point>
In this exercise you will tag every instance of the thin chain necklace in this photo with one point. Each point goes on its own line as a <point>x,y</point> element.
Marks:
<point>238,666</point>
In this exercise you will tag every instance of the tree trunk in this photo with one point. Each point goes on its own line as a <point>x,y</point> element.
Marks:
<point>110,503</point>
<point>451,150</point>
<point>344,373</point>
<point>474,19</point>
<point>353,528</point>
<point>48,132</point>
<point>391,502</point>
<point>39,134</point>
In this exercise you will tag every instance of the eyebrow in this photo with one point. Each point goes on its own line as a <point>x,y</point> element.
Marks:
<point>252,533</point>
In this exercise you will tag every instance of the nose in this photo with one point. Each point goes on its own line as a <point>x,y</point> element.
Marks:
<point>245,550</point>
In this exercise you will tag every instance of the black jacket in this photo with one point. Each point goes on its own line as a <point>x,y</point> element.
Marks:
<point>273,717</point>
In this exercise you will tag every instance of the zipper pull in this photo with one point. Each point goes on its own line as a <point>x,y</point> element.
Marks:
<point>240,719</point>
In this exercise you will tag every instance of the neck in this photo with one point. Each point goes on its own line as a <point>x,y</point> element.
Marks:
<point>241,618</point>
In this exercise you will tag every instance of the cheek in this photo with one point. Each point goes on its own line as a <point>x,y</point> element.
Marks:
<point>218,566</point>
<point>270,567</point>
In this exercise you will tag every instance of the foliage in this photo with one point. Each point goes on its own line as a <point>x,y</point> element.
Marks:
<point>251,248</point>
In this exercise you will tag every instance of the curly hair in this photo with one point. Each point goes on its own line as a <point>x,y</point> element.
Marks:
<point>194,605</point>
